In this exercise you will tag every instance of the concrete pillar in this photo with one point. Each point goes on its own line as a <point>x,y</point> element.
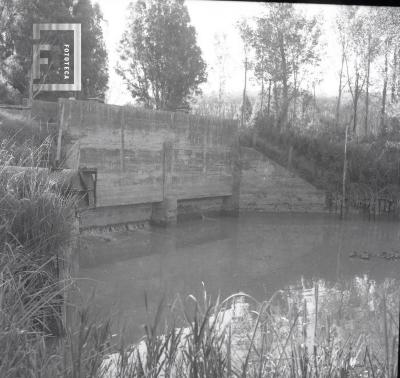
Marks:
<point>166,212</point>
<point>230,204</point>
<point>254,137</point>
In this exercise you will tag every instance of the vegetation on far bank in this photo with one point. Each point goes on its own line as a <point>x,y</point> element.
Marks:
<point>317,154</point>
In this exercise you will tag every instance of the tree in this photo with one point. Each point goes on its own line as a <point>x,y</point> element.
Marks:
<point>246,35</point>
<point>161,63</point>
<point>246,110</point>
<point>7,18</point>
<point>17,46</point>
<point>351,24</point>
<point>261,70</point>
<point>358,36</point>
<point>221,55</point>
<point>343,44</point>
<point>286,45</point>
<point>94,53</point>
<point>388,21</point>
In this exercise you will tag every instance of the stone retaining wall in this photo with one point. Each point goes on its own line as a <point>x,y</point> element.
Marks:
<point>267,186</point>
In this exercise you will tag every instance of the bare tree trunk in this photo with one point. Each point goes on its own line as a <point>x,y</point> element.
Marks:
<point>314,103</point>
<point>269,97</point>
<point>385,81</point>
<point>397,77</point>
<point>30,89</point>
<point>244,91</point>
<point>367,87</point>
<point>356,96</point>
<point>294,95</point>
<point>344,171</point>
<point>276,100</point>
<point>285,87</point>
<point>340,90</point>
<point>394,74</point>
<point>262,88</point>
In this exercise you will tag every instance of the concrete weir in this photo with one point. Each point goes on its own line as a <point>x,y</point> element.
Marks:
<point>158,166</point>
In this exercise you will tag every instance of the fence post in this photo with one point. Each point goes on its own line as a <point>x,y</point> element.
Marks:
<point>61,111</point>
<point>290,157</point>
<point>69,270</point>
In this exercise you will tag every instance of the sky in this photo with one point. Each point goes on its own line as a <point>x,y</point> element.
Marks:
<point>211,17</point>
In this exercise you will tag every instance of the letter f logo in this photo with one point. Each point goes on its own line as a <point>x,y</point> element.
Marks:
<point>37,60</point>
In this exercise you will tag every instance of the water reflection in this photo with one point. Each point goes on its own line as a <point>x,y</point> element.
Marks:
<point>256,253</point>
<point>352,324</point>
<point>311,329</point>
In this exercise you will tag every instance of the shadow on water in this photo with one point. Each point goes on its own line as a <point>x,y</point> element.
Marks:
<point>255,253</point>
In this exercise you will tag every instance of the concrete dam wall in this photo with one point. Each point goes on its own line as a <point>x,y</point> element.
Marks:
<point>157,165</point>
<point>146,160</point>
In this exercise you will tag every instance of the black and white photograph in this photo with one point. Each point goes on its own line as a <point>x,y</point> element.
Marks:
<point>199,189</point>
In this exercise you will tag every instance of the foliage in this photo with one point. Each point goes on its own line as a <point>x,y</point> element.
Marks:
<point>211,106</point>
<point>286,46</point>
<point>222,57</point>
<point>247,111</point>
<point>7,18</point>
<point>20,138</point>
<point>9,95</point>
<point>161,63</point>
<point>318,158</point>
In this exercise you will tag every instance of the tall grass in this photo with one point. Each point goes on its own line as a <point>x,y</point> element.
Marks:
<point>36,229</point>
<point>21,137</point>
<point>314,331</point>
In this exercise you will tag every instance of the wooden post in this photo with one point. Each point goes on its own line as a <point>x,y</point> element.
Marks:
<point>289,163</point>
<point>61,110</point>
<point>69,269</point>
<point>205,136</point>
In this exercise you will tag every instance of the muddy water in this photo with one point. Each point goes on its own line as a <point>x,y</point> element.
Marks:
<point>255,253</point>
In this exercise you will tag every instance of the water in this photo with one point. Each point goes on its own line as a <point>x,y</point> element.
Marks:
<point>255,253</point>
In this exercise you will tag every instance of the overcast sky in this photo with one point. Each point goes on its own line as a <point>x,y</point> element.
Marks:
<point>209,18</point>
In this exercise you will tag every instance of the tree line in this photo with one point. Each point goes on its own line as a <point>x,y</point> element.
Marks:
<point>287,51</point>
<point>160,61</point>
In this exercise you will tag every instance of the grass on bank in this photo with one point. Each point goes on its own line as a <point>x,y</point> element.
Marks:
<point>372,170</point>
